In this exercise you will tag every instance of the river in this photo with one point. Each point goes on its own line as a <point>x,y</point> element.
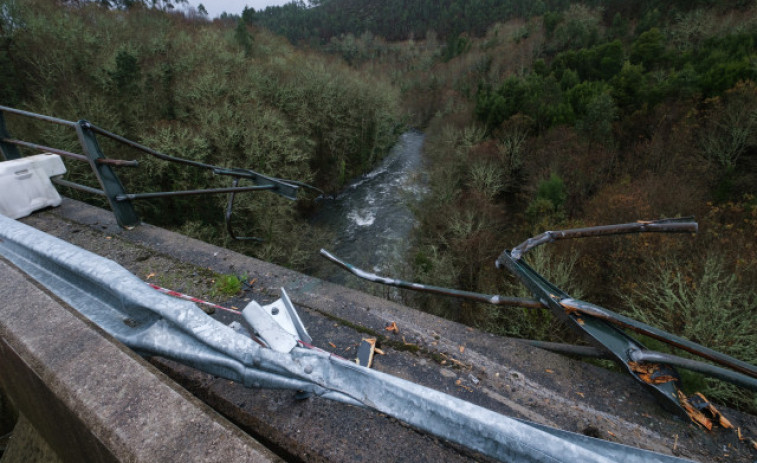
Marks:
<point>371,220</point>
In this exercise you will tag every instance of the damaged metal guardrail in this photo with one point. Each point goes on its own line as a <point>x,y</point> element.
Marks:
<point>156,324</point>
<point>603,327</point>
<point>111,186</point>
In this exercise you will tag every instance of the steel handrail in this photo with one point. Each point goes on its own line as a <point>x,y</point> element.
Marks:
<point>120,200</point>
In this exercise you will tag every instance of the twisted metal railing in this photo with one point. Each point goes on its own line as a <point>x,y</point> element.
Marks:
<point>604,328</point>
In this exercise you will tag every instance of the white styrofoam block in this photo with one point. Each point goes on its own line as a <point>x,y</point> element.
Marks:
<point>25,184</point>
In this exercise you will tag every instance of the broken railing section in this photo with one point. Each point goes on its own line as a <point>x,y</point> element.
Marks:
<point>617,343</point>
<point>677,225</point>
<point>111,187</point>
<point>603,327</point>
<point>585,308</point>
<point>153,323</point>
<point>477,297</point>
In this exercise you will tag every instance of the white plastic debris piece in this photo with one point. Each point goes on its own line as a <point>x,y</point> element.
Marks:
<point>25,184</point>
<point>262,320</point>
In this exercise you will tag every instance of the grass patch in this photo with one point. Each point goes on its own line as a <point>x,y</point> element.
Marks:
<point>227,285</point>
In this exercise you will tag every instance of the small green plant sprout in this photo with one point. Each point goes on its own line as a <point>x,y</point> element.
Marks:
<point>227,285</point>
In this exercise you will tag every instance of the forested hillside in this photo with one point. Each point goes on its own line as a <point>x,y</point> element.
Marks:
<point>315,21</point>
<point>222,93</point>
<point>548,115</point>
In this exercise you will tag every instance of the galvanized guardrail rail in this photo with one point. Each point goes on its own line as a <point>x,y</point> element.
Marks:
<point>121,202</point>
<point>156,324</point>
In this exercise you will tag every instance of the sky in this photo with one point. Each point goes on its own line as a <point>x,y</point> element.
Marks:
<point>216,7</point>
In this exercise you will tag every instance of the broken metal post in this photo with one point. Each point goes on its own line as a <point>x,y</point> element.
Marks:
<point>693,365</point>
<point>124,211</point>
<point>602,326</point>
<point>601,313</point>
<point>600,332</point>
<point>743,376</point>
<point>714,371</point>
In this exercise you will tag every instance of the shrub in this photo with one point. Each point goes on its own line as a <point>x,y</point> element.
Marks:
<point>579,28</point>
<point>709,307</point>
<point>730,128</point>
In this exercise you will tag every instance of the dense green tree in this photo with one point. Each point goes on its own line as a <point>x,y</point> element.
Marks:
<point>551,20</point>
<point>619,27</point>
<point>128,4</point>
<point>248,15</point>
<point>648,49</point>
<point>243,37</point>
<point>627,86</point>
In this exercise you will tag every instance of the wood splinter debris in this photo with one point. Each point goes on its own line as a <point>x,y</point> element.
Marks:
<point>702,412</point>
<point>650,373</point>
<point>365,352</point>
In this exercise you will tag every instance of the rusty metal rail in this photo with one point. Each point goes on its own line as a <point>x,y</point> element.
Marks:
<point>601,326</point>
<point>677,225</point>
<point>111,186</point>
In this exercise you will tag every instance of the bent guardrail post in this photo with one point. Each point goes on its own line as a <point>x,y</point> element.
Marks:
<point>124,211</point>
<point>588,309</point>
<point>469,295</point>
<point>605,335</point>
<point>661,378</point>
<point>708,369</point>
<point>155,324</point>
